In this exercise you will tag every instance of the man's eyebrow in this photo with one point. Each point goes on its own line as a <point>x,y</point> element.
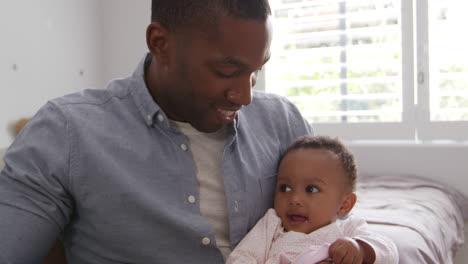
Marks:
<point>237,62</point>
<point>233,61</point>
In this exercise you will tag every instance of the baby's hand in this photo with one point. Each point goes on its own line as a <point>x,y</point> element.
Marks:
<point>346,251</point>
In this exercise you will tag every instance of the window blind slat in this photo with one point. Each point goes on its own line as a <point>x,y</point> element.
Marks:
<point>338,58</point>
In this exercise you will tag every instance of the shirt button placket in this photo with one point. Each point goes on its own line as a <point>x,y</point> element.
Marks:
<point>149,119</point>
<point>236,206</point>
<point>160,118</point>
<point>183,147</point>
<point>191,199</point>
<point>206,241</point>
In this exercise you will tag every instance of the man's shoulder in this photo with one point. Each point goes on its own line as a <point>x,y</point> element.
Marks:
<point>273,103</point>
<point>275,114</point>
<point>276,108</point>
<point>265,97</point>
<point>116,89</point>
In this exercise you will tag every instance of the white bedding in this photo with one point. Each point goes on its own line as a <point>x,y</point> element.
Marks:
<point>424,218</point>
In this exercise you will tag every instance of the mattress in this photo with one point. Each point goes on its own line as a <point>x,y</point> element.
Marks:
<point>424,218</point>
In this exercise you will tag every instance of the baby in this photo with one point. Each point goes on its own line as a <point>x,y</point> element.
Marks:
<point>310,223</point>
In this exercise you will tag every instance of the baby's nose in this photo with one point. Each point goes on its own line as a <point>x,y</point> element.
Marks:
<point>295,200</point>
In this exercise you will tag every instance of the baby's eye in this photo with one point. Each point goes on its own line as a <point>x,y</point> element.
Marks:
<point>311,189</point>
<point>284,188</point>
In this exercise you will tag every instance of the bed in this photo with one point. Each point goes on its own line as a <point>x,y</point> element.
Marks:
<point>424,217</point>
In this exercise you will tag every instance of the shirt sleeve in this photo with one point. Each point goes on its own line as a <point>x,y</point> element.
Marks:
<point>255,246</point>
<point>35,203</point>
<point>385,249</point>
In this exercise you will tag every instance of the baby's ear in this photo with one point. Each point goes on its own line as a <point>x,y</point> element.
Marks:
<point>347,204</point>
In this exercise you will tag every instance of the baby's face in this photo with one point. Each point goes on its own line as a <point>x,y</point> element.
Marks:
<point>310,189</point>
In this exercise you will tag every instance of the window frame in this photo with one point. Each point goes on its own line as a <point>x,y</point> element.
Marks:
<point>428,130</point>
<point>415,124</point>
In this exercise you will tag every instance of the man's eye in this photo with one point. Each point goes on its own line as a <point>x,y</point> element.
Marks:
<point>224,75</point>
<point>311,189</point>
<point>284,188</point>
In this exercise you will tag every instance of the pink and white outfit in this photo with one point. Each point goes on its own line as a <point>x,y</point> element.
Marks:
<point>268,243</point>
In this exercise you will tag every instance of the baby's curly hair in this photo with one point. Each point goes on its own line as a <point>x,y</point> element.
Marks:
<point>334,145</point>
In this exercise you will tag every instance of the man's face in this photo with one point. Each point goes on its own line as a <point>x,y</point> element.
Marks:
<point>211,78</point>
<point>310,189</point>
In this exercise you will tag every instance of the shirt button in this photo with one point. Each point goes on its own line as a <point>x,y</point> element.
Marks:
<point>236,206</point>
<point>183,147</point>
<point>149,118</point>
<point>160,118</point>
<point>191,199</point>
<point>206,241</point>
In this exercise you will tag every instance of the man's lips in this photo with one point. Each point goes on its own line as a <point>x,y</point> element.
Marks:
<point>227,115</point>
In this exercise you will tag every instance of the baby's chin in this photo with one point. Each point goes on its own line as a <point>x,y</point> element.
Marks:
<point>305,227</point>
<point>299,230</point>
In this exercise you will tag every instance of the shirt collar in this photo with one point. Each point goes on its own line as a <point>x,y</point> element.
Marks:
<point>147,107</point>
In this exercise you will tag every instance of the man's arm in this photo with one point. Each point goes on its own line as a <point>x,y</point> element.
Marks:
<point>35,203</point>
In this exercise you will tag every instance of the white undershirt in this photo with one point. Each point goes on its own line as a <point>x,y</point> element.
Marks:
<point>207,150</point>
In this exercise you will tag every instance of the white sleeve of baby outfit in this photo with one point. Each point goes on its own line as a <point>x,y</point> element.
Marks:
<point>385,249</point>
<point>255,246</point>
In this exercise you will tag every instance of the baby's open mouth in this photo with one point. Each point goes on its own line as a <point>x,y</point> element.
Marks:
<point>295,218</point>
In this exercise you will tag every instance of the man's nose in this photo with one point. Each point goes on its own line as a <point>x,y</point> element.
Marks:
<point>241,93</point>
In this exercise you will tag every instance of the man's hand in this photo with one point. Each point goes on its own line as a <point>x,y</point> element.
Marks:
<point>347,251</point>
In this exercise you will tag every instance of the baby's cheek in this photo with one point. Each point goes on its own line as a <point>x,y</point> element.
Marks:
<point>277,205</point>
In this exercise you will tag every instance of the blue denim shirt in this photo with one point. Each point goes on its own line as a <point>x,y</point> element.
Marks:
<point>104,170</point>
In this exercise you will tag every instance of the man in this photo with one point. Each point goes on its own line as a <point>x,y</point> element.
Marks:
<point>171,165</point>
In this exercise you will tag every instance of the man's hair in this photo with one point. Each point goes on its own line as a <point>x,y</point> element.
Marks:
<point>332,144</point>
<point>175,14</point>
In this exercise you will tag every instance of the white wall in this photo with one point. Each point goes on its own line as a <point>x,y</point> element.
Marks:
<point>124,25</point>
<point>47,48</point>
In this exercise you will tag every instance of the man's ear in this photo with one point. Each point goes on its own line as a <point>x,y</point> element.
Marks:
<point>157,40</point>
<point>347,204</point>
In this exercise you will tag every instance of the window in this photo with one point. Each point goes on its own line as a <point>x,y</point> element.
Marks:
<point>373,69</point>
